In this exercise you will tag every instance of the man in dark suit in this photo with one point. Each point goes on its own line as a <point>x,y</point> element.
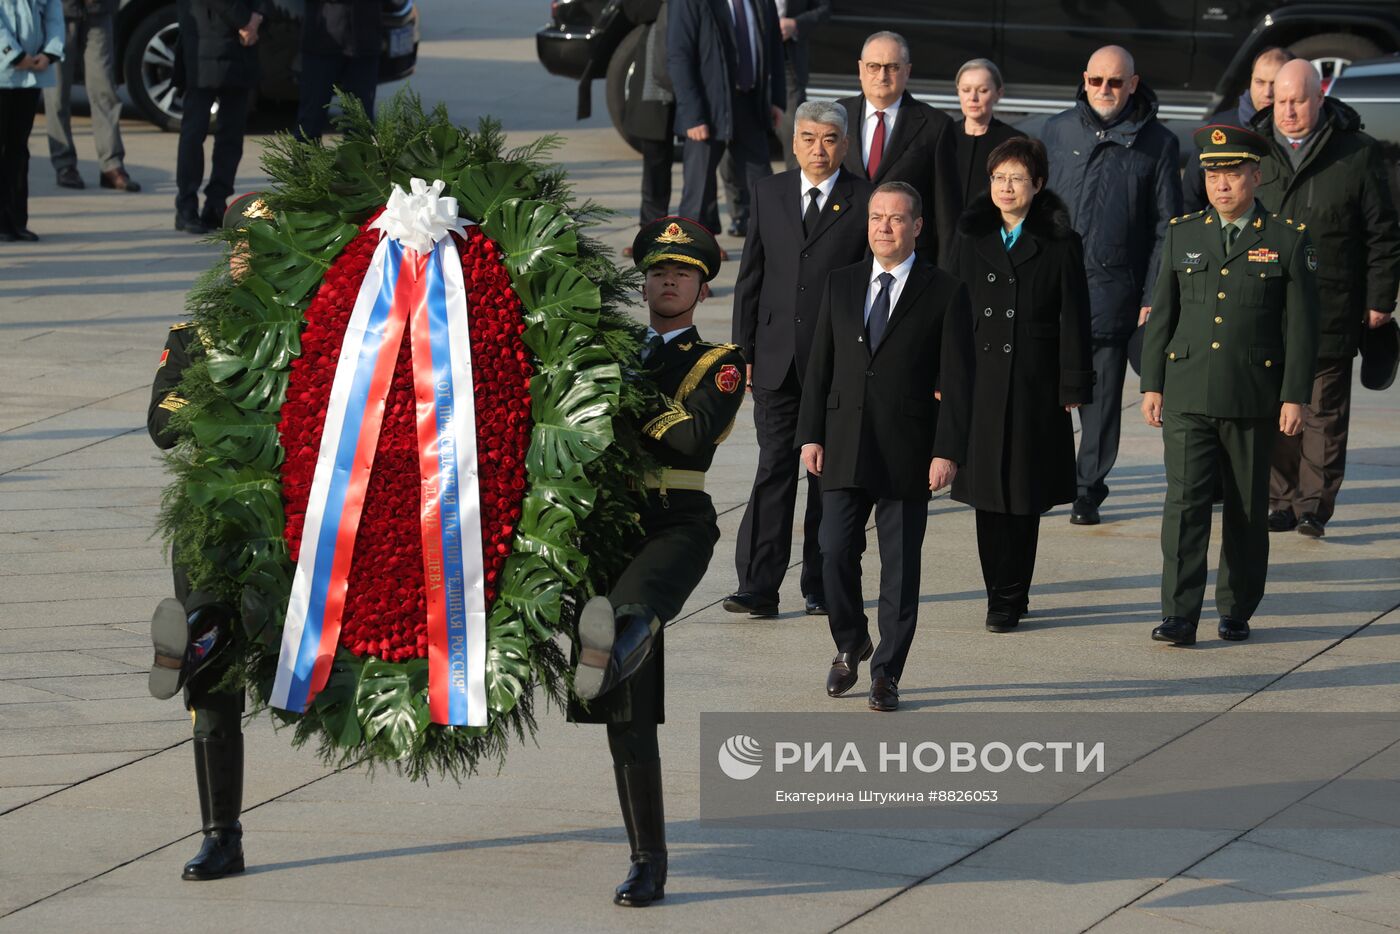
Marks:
<point>812,221</point>
<point>894,337</point>
<point>895,138</point>
<point>725,59</point>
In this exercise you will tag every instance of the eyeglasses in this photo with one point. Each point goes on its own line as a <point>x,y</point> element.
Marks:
<point>873,69</point>
<point>1097,80</point>
<point>1015,181</point>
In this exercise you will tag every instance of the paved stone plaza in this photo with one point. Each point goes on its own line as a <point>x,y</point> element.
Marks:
<point>97,801</point>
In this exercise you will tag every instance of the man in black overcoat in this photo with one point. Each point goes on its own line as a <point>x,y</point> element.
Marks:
<point>894,335</point>
<point>806,223</point>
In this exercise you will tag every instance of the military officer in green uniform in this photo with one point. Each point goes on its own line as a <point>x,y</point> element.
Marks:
<point>1227,362</point>
<point>697,389</point>
<point>192,631</point>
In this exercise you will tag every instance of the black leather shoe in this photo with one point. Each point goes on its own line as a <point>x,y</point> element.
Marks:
<point>1233,628</point>
<point>1083,512</point>
<point>746,601</point>
<point>29,236</point>
<point>739,229</point>
<point>816,605</point>
<point>190,225</point>
<point>1282,520</point>
<point>613,644</point>
<point>69,178</point>
<point>845,670</point>
<point>212,216</point>
<point>1310,525</point>
<point>884,694</point>
<point>998,621</point>
<point>118,180</point>
<point>1175,630</point>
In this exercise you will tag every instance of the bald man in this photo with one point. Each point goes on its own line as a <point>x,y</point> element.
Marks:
<point>1258,95</point>
<point>1329,177</point>
<point>1116,167</point>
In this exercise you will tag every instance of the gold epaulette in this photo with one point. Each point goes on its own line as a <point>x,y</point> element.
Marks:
<point>1187,217</point>
<point>725,346</point>
<point>1289,221</point>
<point>181,325</point>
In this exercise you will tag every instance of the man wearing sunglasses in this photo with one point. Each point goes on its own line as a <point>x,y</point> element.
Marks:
<point>1116,167</point>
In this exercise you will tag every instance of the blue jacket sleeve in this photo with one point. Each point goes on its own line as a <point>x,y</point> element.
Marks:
<point>683,60</point>
<point>1166,205</point>
<point>54,32</point>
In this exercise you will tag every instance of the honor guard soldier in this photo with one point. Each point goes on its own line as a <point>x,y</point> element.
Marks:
<point>1227,362</point>
<point>697,388</point>
<point>192,631</point>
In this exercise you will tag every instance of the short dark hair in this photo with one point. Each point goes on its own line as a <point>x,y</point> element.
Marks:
<point>1274,54</point>
<point>916,203</point>
<point>1028,151</point>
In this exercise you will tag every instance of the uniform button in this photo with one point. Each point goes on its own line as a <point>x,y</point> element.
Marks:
<point>1006,348</point>
<point>1224,272</point>
<point>1215,345</point>
<point>1011,312</point>
<point>1268,363</point>
<point>1011,280</point>
<point>1219,320</point>
<point>1189,270</point>
<point>1219,294</point>
<point>801,288</point>
<point>1172,355</point>
<point>799,320</point>
<point>991,277</point>
<point>986,312</point>
<point>1263,275</point>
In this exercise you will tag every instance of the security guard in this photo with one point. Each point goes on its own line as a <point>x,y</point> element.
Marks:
<point>192,631</point>
<point>698,388</point>
<point>1227,362</point>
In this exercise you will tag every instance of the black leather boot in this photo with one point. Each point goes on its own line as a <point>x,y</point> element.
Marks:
<point>218,768</point>
<point>613,644</point>
<point>639,792</point>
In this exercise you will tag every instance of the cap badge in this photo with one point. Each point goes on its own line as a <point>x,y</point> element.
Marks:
<point>1217,138</point>
<point>674,234</point>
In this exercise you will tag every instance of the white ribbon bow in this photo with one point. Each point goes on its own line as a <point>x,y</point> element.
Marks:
<point>420,219</point>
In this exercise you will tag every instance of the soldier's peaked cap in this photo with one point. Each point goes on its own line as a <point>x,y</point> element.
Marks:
<point>245,209</point>
<point>677,240</point>
<point>1222,146</point>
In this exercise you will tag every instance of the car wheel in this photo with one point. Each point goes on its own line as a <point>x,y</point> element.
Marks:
<point>1333,51</point>
<point>148,66</point>
<point>619,71</point>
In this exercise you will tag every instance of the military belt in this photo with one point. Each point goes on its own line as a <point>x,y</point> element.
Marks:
<point>671,479</point>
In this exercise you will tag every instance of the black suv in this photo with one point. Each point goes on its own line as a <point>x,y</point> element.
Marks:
<point>1196,54</point>
<point>147,36</point>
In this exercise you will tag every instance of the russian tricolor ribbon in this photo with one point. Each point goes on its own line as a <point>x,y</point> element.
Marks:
<point>414,283</point>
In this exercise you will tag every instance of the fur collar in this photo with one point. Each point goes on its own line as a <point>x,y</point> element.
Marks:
<point>1048,218</point>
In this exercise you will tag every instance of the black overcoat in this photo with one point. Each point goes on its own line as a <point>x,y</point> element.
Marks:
<point>212,53</point>
<point>876,415</point>
<point>973,152</point>
<point>1030,308</point>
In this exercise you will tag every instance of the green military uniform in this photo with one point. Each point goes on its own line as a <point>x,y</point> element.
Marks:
<point>1233,333</point>
<point>697,390</point>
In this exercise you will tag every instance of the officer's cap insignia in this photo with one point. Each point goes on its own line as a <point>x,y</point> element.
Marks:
<point>1218,137</point>
<point>674,234</point>
<point>1311,258</point>
<point>728,378</point>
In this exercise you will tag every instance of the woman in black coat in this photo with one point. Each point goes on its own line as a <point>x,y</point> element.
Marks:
<point>979,87</point>
<point>1024,268</point>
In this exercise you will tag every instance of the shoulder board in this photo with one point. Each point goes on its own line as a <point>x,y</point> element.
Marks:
<point>181,325</point>
<point>1187,217</point>
<point>725,346</point>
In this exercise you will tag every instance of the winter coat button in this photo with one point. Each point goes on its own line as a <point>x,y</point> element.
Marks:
<point>1006,348</point>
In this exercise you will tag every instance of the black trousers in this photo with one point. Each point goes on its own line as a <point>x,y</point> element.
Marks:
<point>1101,420</point>
<point>228,149</point>
<point>17,109</point>
<point>1307,470</point>
<point>356,75</point>
<point>700,160</point>
<point>657,158</point>
<point>1006,544</point>
<point>899,527</point>
<point>765,535</point>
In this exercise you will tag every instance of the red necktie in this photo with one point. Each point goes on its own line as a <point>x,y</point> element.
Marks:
<point>877,146</point>
<point>1296,145</point>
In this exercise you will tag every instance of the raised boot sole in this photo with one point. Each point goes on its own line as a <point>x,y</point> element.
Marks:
<point>170,634</point>
<point>597,628</point>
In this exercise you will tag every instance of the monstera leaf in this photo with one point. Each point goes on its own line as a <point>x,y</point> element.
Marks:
<point>247,437</point>
<point>384,700</point>
<point>250,388</point>
<point>532,590</point>
<point>507,661</point>
<point>361,182</point>
<point>294,254</point>
<point>440,153</point>
<point>550,532</point>
<point>573,419</point>
<point>559,292</point>
<point>534,234</point>
<point>572,492</point>
<point>482,189</point>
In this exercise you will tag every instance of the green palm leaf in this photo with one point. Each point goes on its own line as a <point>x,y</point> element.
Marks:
<point>294,254</point>
<point>559,292</point>
<point>573,419</point>
<point>547,530</point>
<point>247,437</point>
<point>249,388</point>
<point>532,590</point>
<point>482,189</point>
<point>384,700</point>
<point>440,153</point>
<point>508,669</point>
<point>572,491</point>
<point>361,181</point>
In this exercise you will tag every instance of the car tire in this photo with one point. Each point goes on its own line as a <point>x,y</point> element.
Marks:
<point>619,69</point>
<point>1329,50</point>
<point>148,68</point>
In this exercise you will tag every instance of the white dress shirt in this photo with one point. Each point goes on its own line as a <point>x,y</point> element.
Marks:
<point>825,189</point>
<point>901,275</point>
<point>867,131</point>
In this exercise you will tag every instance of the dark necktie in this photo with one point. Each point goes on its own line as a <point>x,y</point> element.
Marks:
<point>1231,233</point>
<point>741,36</point>
<point>653,344</point>
<point>879,313</point>
<point>877,146</point>
<point>814,212</point>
